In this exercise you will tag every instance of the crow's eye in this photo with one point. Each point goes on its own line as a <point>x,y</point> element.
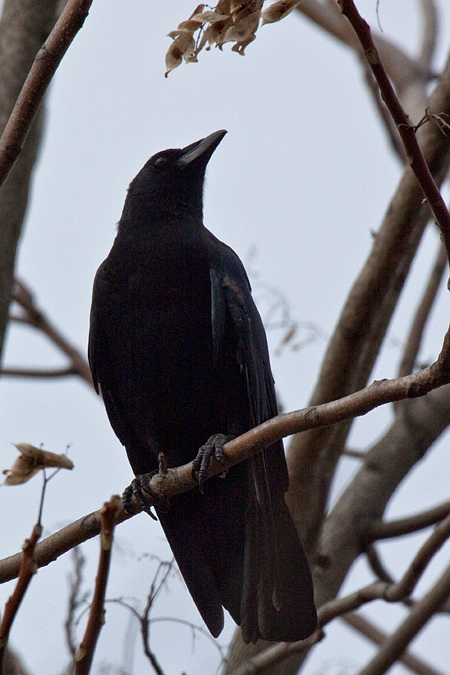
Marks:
<point>160,161</point>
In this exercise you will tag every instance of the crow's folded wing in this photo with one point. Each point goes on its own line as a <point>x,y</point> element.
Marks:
<point>277,598</point>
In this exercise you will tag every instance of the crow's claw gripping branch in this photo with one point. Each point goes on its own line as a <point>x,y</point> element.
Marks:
<point>212,448</point>
<point>138,488</point>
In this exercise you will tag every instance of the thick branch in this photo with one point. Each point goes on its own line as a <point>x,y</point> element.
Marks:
<point>355,344</point>
<point>23,27</point>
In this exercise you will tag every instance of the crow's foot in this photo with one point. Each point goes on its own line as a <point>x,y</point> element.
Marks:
<point>212,448</point>
<point>139,488</point>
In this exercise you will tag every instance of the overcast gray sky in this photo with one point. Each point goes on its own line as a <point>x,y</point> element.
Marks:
<point>296,188</point>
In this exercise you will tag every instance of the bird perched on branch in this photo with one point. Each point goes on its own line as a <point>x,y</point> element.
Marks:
<point>179,352</point>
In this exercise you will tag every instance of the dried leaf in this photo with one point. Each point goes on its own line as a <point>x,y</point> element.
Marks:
<point>230,21</point>
<point>249,6</point>
<point>174,58</point>
<point>240,46</point>
<point>210,17</point>
<point>189,53</point>
<point>237,5</point>
<point>217,31</point>
<point>278,10</point>
<point>198,10</point>
<point>224,7</point>
<point>244,30</point>
<point>182,46</point>
<point>190,25</point>
<point>30,461</point>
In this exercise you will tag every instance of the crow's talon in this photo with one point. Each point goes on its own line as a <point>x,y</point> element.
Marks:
<point>138,488</point>
<point>212,448</point>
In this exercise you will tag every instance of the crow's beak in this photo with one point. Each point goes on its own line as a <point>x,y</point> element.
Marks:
<point>203,148</point>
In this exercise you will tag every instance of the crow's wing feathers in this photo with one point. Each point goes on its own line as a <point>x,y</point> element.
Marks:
<point>270,605</point>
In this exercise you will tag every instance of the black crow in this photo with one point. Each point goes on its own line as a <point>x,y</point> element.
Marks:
<point>179,352</point>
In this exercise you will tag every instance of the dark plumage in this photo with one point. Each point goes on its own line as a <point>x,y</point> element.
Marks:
<point>179,351</point>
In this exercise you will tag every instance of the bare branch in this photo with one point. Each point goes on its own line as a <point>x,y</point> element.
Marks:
<point>44,373</point>
<point>383,112</point>
<point>376,565</point>
<point>85,652</point>
<point>181,479</point>
<point>357,454</point>
<point>362,325</point>
<point>407,132</point>
<point>430,25</point>
<point>275,654</point>
<point>421,317</point>
<point>359,623</point>
<point>28,567</point>
<point>44,67</point>
<point>397,528</point>
<point>76,599</point>
<point>435,541</point>
<point>420,614</point>
<point>34,317</point>
<point>24,25</point>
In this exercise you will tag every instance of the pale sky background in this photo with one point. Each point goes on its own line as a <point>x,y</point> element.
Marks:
<point>296,187</point>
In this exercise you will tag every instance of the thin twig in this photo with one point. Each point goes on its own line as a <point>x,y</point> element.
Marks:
<point>423,312</point>
<point>33,316</point>
<point>145,621</point>
<point>44,67</point>
<point>38,373</point>
<point>376,565</point>
<point>420,614</point>
<point>366,628</point>
<point>357,454</point>
<point>407,131</point>
<point>27,569</point>
<point>383,112</point>
<point>85,652</point>
<point>396,528</point>
<point>76,599</point>
<point>430,24</point>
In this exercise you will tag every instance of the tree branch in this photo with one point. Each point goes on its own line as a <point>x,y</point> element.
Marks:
<point>181,479</point>
<point>28,568</point>
<point>420,614</point>
<point>356,341</point>
<point>359,623</point>
<point>44,67</point>
<point>407,131</point>
<point>85,651</point>
<point>34,317</point>
<point>414,338</point>
<point>23,26</point>
<point>397,528</point>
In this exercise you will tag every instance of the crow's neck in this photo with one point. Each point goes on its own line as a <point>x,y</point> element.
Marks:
<point>143,230</point>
